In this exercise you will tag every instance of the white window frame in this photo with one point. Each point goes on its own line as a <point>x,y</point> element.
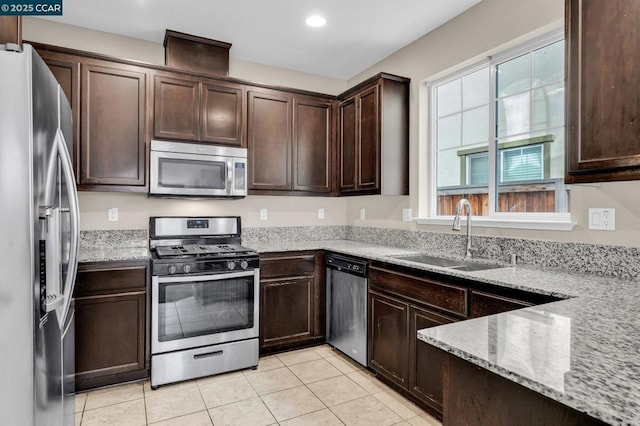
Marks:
<point>546,221</point>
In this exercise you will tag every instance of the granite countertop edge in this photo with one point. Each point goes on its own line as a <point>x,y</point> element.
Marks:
<point>524,381</point>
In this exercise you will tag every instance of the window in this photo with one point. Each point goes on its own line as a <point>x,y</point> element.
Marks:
<point>498,133</point>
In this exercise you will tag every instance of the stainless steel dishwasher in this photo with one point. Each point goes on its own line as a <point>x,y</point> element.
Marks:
<point>347,284</point>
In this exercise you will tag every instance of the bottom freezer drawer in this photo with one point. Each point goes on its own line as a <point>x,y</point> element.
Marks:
<point>205,361</point>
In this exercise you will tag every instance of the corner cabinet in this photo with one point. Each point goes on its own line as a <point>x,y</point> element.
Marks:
<point>403,301</point>
<point>290,143</point>
<point>112,336</point>
<point>292,300</point>
<point>111,119</point>
<point>198,109</point>
<point>603,97</point>
<point>374,137</point>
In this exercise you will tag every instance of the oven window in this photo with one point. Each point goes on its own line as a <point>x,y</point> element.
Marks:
<point>204,307</point>
<point>178,173</point>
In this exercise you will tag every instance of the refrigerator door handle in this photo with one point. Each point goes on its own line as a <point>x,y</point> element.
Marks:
<point>67,171</point>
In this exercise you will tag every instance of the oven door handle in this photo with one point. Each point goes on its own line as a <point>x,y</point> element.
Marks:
<point>197,278</point>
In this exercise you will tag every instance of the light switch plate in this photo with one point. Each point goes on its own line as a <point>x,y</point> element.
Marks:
<point>407,215</point>
<point>363,214</point>
<point>263,214</point>
<point>320,213</point>
<point>113,214</point>
<point>602,219</point>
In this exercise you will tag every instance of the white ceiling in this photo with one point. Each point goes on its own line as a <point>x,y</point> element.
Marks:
<point>358,33</point>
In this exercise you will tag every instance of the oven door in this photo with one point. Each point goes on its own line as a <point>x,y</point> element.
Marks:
<point>173,173</point>
<point>193,311</point>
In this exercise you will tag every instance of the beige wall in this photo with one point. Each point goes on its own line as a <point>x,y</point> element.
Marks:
<point>490,26</point>
<point>135,209</point>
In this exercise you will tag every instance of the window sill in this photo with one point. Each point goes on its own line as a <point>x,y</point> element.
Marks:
<point>543,223</point>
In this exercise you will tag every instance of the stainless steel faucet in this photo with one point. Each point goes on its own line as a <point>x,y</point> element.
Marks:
<point>456,222</point>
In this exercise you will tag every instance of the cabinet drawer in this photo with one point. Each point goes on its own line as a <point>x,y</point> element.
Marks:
<point>488,304</point>
<point>428,292</point>
<point>91,282</point>
<point>287,266</point>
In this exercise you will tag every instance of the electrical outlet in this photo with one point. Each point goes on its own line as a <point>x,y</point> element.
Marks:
<point>263,214</point>
<point>113,214</point>
<point>602,219</point>
<point>407,215</point>
<point>320,213</point>
<point>363,214</point>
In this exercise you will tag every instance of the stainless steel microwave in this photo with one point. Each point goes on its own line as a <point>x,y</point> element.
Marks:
<point>194,170</point>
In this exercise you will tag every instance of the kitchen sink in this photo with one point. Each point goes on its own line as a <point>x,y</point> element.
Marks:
<point>431,260</point>
<point>443,262</point>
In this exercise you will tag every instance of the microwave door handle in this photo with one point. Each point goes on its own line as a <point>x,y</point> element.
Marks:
<point>229,176</point>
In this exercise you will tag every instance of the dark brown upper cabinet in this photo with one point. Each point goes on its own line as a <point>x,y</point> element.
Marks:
<point>176,109</point>
<point>197,109</point>
<point>114,125</point>
<point>269,131</point>
<point>290,142</point>
<point>312,147</point>
<point>374,137</point>
<point>66,70</point>
<point>603,96</point>
<point>110,104</point>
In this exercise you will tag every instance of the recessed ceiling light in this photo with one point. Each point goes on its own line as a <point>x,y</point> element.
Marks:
<point>316,21</point>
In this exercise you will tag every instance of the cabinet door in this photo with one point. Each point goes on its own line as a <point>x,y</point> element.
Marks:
<point>176,109</point>
<point>110,336</point>
<point>287,310</point>
<point>368,140</point>
<point>67,71</point>
<point>603,94</point>
<point>113,125</point>
<point>311,145</point>
<point>348,137</point>
<point>389,337</point>
<point>426,362</point>
<point>269,131</point>
<point>222,114</point>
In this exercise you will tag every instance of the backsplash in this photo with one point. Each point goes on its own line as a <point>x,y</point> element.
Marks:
<point>576,257</point>
<point>615,261</point>
<point>294,233</point>
<point>113,238</point>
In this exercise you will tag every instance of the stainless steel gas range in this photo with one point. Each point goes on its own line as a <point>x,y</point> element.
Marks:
<point>204,298</point>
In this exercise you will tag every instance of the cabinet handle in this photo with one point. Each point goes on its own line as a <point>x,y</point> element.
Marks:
<point>207,355</point>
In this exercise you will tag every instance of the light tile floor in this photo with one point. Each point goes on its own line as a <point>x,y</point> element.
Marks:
<point>315,386</point>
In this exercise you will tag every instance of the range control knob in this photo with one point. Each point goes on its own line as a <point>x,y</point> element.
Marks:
<point>186,268</point>
<point>172,269</point>
<point>231,265</point>
<point>244,264</point>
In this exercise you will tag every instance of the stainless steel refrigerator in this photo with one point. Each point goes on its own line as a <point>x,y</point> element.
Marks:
<point>39,239</point>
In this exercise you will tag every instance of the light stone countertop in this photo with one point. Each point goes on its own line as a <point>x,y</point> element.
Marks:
<point>583,351</point>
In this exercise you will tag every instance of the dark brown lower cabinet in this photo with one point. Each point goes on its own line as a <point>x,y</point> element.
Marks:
<point>111,323</point>
<point>292,300</point>
<point>403,301</point>
<point>476,397</point>
<point>388,337</point>
<point>426,362</point>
